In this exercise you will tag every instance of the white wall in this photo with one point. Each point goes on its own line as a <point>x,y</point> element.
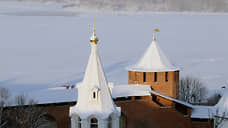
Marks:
<point>224,124</point>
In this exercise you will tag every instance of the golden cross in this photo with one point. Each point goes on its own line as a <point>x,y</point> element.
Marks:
<point>155,30</point>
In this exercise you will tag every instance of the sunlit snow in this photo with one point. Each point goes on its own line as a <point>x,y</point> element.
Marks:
<point>42,50</point>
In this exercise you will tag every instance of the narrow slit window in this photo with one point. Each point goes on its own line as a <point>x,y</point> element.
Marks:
<point>94,95</point>
<point>144,76</point>
<point>154,98</point>
<point>79,123</point>
<point>155,77</point>
<point>166,76</point>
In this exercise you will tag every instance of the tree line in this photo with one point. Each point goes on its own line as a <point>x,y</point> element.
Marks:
<point>147,5</point>
<point>194,91</point>
<point>21,112</point>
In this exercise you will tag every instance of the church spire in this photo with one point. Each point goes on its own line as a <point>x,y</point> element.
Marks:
<point>93,38</point>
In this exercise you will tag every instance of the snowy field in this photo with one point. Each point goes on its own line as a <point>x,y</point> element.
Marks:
<point>45,46</point>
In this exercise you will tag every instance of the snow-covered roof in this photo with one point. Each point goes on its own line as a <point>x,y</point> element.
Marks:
<point>153,60</point>
<point>172,99</point>
<point>205,112</point>
<point>219,109</point>
<point>61,94</point>
<point>130,90</point>
<point>202,112</point>
<point>198,111</point>
<point>54,95</point>
<point>94,97</point>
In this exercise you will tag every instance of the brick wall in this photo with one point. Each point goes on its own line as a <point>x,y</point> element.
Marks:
<point>147,114</point>
<point>169,87</point>
<point>140,112</point>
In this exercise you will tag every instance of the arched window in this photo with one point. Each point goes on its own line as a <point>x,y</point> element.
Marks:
<point>93,123</point>
<point>94,95</point>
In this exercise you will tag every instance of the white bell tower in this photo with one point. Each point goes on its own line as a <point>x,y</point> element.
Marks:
<point>95,107</point>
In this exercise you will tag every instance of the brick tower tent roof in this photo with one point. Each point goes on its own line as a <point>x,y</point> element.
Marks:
<point>153,60</point>
<point>94,79</point>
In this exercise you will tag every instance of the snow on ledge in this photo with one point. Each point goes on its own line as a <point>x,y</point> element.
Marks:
<point>61,94</point>
<point>130,90</point>
<point>202,112</point>
<point>137,69</point>
<point>172,99</point>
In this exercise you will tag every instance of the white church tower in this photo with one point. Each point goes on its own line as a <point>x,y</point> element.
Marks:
<point>95,107</point>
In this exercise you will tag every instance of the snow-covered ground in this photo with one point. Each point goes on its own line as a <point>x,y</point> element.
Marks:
<point>44,46</point>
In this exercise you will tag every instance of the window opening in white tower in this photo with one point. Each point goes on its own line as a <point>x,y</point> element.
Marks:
<point>79,122</point>
<point>94,95</point>
<point>110,122</point>
<point>94,123</point>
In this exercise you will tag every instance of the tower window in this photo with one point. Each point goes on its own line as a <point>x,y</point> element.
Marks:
<point>94,95</point>
<point>144,76</point>
<point>155,77</point>
<point>94,123</point>
<point>166,76</point>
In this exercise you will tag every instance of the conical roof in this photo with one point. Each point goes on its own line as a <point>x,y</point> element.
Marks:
<point>94,80</point>
<point>153,60</point>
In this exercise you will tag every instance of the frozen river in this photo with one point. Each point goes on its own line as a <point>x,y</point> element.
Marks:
<point>44,47</point>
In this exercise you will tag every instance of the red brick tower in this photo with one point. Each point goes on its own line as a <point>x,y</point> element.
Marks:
<point>155,69</point>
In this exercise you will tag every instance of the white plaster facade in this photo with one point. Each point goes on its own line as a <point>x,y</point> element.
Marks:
<point>111,122</point>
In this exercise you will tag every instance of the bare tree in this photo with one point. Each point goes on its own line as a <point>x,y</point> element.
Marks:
<point>4,95</point>
<point>3,120</point>
<point>191,90</point>
<point>27,114</point>
<point>23,113</point>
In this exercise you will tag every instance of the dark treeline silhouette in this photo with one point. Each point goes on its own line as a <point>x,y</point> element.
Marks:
<point>147,5</point>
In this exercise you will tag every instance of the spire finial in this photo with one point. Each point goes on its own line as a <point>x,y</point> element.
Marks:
<point>94,27</point>
<point>155,30</point>
<point>93,38</point>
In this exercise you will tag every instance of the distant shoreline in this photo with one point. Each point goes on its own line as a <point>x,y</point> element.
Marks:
<point>128,7</point>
